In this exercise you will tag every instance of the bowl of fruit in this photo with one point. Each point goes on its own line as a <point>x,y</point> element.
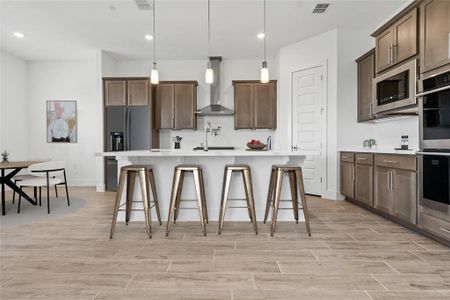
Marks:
<point>256,145</point>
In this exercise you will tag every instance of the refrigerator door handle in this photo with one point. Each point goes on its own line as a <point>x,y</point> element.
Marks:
<point>125,142</point>
<point>127,128</point>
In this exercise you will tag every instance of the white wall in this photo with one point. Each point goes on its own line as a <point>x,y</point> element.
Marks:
<point>315,51</point>
<point>14,121</point>
<point>65,80</point>
<point>194,70</point>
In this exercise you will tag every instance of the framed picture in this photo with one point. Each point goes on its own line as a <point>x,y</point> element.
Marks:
<point>61,121</point>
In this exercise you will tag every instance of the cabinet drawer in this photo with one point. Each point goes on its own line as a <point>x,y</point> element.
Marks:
<point>407,162</point>
<point>364,158</point>
<point>434,225</point>
<point>347,157</point>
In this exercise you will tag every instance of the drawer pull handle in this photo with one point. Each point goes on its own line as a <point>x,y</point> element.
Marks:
<point>391,162</point>
<point>361,158</point>
<point>445,230</point>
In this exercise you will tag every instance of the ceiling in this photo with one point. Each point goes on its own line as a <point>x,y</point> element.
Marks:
<point>57,30</point>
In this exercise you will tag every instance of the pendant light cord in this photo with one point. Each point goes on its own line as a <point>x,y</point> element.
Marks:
<point>265,33</point>
<point>154,32</point>
<point>209,29</point>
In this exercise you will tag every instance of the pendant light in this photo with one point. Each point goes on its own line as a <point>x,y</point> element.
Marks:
<point>209,73</point>
<point>154,76</point>
<point>264,70</point>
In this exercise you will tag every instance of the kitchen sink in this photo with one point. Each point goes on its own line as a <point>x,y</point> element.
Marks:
<point>214,148</point>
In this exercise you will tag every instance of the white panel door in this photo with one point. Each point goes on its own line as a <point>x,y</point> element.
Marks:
<point>307,125</point>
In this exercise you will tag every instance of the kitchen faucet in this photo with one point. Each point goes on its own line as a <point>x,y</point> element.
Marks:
<point>213,131</point>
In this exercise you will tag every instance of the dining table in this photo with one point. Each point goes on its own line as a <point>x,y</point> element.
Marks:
<point>6,178</point>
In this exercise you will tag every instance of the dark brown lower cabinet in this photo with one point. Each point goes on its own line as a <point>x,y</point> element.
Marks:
<point>364,184</point>
<point>383,193</point>
<point>348,179</point>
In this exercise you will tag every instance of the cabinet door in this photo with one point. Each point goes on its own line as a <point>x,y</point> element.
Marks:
<point>364,184</point>
<point>138,92</point>
<point>347,180</point>
<point>434,34</point>
<point>405,31</point>
<point>115,92</point>
<point>164,106</point>
<point>243,106</point>
<point>265,105</point>
<point>405,197</point>
<point>382,189</point>
<point>185,106</point>
<point>366,73</point>
<point>383,49</point>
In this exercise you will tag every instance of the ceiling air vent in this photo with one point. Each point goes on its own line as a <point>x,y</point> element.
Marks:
<point>321,8</point>
<point>143,4</point>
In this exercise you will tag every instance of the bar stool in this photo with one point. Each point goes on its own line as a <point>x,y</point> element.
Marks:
<point>177,187</point>
<point>147,182</point>
<point>247,179</point>
<point>273,198</point>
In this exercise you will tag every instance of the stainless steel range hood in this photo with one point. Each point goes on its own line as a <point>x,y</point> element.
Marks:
<point>215,108</point>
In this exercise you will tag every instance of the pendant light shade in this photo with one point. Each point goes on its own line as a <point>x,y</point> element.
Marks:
<point>209,73</point>
<point>264,75</point>
<point>154,75</point>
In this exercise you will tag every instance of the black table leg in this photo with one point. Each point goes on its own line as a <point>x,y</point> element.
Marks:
<point>7,180</point>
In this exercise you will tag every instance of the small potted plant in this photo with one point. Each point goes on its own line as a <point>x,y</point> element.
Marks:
<point>5,155</point>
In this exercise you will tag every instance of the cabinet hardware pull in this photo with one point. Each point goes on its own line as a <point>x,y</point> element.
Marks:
<point>392,180</point>
<point>389,54</point>
<point>394,52</point>
<point>389,179</point>
<point>353,173</point>
<point>370,110</point>
<point>361,158</point>
<point>444,229</point>
<point>391,161</point>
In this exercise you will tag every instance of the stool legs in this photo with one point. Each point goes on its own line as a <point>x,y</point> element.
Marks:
<point>173,198</point>
<point>279,182</point>
<point>202,185</point>
<point>178,199</point>
<point>201,200</point>
<point>250,199</point>
<point>270,194</point>
<point>117,204</point>
<point>152,184</point>
<point>223,202</point>
<point>299,175</point>
<point>131,177</point>
<point>145,199</point>
<point>293,184</point>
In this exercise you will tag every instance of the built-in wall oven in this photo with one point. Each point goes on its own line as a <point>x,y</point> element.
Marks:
<point>396,89</point>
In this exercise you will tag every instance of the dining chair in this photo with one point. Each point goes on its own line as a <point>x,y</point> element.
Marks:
<point>46,174</point>
<point>22,177</point>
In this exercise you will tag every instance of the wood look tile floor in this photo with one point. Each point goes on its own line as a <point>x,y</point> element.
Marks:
<point>352,254</point>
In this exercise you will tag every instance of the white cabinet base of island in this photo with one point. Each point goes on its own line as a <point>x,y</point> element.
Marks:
<point>213,163</point>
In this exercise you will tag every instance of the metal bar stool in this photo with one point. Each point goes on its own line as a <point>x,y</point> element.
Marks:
<point>175,198</point>
<point>273,198</point>
<point>247,179</point>
<point>147,182</point>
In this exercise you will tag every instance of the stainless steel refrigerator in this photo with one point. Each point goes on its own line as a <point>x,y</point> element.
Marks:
<point>135,123</point>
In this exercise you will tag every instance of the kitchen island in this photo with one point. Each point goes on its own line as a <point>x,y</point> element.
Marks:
<point>212,162</point>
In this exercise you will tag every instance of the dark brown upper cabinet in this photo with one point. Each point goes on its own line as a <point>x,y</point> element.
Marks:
<point>434,34</point>
<point>366,74</point>
<point>175,105</point>
<point>255,104</point>
<point>124,91</point>
<point>397,42</point>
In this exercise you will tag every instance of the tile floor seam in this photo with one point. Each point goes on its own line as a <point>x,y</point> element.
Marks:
<point>98,293</point>
<point>214,255</point>
<point>392,267</point>
<point>379,282</point>
<point>279,266</point>
<point>315,256</point>
<point>232,294</point>
<point>131,279</point>
<point>254,283</point>
<point>368,295</point>
<point>416,255</point>
<point>168,267</point>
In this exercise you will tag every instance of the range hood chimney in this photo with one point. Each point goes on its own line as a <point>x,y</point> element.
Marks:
<point>215,108</point>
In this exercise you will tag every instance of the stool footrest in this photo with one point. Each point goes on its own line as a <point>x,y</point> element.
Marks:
<point>237,207</point>
<point>237,199</point>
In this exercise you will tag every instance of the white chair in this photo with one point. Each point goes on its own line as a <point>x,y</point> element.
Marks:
<point>22,177</point>
<point>45,174</point>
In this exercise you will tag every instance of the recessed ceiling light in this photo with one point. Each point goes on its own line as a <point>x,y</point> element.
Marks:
<point>19,35</point>
<point>149,37</point>
<point>261,35</point>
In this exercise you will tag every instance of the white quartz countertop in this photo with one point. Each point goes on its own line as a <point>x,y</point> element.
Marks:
<point>200,153</point>
<point>381,150</point>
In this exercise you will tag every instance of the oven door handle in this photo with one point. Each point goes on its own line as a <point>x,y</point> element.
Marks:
<point>434,153</point>
<point>444,88</point>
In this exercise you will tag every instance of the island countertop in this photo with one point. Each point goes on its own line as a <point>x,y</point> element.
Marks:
<point>201,153</point>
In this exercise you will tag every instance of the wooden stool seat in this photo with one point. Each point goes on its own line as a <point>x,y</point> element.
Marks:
<point>246,176</point>
<point>177,187</point>
<point>273,197</point>
<point>147,181</point>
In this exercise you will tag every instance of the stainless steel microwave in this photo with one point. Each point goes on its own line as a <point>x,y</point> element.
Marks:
<point>396,89</point>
